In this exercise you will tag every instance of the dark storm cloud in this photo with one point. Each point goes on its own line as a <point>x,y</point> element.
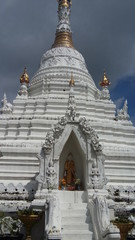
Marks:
<point>103,31</point>
<point>107,36</point>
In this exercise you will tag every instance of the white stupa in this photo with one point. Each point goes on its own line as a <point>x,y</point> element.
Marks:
<point>64,149</point>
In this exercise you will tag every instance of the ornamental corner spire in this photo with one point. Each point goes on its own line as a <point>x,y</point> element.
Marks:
<point>105,83</point>
<point>24,80</point>
<point>63,36</point>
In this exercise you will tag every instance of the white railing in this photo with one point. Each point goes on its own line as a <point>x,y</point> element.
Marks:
<point>102,227</point>
<point>53,224</point>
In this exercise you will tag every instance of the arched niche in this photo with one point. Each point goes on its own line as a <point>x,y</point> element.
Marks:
<point>82,141</point>
<point>73,146</point>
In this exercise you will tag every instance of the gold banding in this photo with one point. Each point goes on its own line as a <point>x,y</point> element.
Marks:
<point>63,39</point>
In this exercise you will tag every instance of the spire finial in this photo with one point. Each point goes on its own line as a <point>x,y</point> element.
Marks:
<point>63,33</point>
<point>24,80</point>
<point>105,81</point>
<point>72,81</point>
<point>24,77</point>
<point>64,3</point>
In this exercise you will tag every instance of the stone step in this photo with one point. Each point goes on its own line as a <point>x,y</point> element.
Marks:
<point>75,226</point>
<point>77,236</point>
<point>67,205</point>
<point>78,231</point>
<point>74,212</point>
<point>74,197</point>
<point>75,219</point>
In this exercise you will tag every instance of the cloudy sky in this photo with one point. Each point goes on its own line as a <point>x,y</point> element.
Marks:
<point>103,31</point>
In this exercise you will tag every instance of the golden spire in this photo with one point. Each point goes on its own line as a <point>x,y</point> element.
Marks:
<point>63,33</point>
<point>24,77</point>
<point>72,81</point>
<point>105,81</point>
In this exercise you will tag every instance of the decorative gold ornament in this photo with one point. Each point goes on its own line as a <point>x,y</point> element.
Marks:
<point>72,81</point>
<point>65,3</point>
<point>105,81</point>
<point>63,39</point>
<point>24,78</point>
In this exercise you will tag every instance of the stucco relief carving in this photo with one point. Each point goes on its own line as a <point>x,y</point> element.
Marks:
<point>63,57</point>
<point>23,92</point>
<point>64,23</point>
<point>97,174</point>
<point>49,141</point>
<point>62,62</point>
<point>59,127</point>
<point>14,205</point>
<point>64,14</point>
<point>95,178</point>
<point>62,51</point>
<point>121,193</point>
<point>105,95</point>
<point>90,132</point>
<point>54,133</point>
<point>17,192</point>
<point>71,112</point>
<point>51,176</point>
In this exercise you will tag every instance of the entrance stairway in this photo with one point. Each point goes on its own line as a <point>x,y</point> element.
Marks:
<point>75,219</point>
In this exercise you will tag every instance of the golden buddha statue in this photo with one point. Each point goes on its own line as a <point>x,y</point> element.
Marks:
<point>69,170</point>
